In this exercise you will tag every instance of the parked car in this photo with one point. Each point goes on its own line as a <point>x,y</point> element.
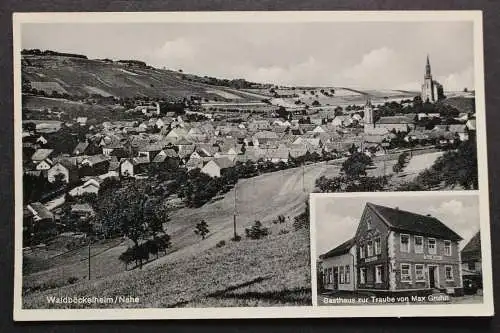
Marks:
<point>470,287</point>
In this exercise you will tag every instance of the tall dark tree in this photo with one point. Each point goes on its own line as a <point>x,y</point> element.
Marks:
<point>202,229</point>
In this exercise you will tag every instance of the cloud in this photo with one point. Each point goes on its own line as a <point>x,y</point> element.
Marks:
<point>333,230</point>
<point>175,53</point>
<point>306,72</point>
<point>372,64</point>
<point>382,68</point>
<point>459,80</point>
<point>461,217</point>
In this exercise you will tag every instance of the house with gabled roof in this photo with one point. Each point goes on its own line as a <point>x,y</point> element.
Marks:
<point>41,155</point>
<point>164,154</point>
<point>40,212</point>
<point>471,259</point>
<point>149,150</point>
<point>460,130</point>
<point>81,148</point>
<point>398,123</point>
<point>177,133</point>
<point>216,166</point>
<point>38,222</point>
<point>339,267</point>
<point>67,171</point>
<point>258,125</point>
<point>399,251</point>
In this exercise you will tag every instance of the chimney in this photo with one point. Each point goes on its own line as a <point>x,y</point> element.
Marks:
<point>396,208</point>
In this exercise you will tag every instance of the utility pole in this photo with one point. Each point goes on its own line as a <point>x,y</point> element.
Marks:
<point>234,211</point>
<point>303,176</point>
<point>89,260</point>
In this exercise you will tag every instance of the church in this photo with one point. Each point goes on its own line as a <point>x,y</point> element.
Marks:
<point>384,125</point>
<point>432,91</point>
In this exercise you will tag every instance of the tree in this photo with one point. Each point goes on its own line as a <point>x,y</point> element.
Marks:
<point>202,229</point>
<point>257,231</point>
<point>355,166</point>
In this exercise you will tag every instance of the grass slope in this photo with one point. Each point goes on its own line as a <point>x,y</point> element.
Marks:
<point>269,272</point>
<point>79,76</point>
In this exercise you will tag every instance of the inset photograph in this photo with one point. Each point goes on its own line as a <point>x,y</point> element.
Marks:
<point>397,249</point>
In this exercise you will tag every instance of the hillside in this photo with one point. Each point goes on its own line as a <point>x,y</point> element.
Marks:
<point>81,76</point>
<point>277,272</point>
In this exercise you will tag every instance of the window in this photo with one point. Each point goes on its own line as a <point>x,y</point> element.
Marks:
<point>362,275</point>
<point>378,249</point>
<point>362,251</point>
<point>405,273</point>
<point>448,272</point>
<point>431,245</point>
<point>471,265</point>
<point>347,274</point>
<point>419,273</point>
<point>341,274</point>
<point>369,249</point>
<point>447,248</point>
<point>325,276</point>
<point>378,274</point>
<point>368,223</point>
<point>405,243</point>
<point>419,244</point>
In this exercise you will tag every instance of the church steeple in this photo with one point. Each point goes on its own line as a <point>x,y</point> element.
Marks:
<point>368,111</point>
<point>428,74</point>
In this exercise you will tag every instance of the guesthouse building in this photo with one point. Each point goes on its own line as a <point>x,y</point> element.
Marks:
<point>395,251</point>
<point>401,251</point>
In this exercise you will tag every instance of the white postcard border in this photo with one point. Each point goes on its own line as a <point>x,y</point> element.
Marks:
<point>484,309</point>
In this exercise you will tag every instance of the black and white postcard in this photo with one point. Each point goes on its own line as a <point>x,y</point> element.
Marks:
<point>395,249</point>
<point>250,165</point>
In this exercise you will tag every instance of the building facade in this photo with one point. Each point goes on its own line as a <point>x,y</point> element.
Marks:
<point>338,267</point>
<point>396,251</point>
<point>402,251</point>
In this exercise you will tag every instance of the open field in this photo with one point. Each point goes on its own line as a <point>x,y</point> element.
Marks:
<point>417,164</point>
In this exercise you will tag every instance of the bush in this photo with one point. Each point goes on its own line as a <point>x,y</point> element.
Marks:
<point>283,232</point>
<point>257,231</point>
<point>221,243</point>
<point>236,238</point>
<point>72,280</point>
<point>280,219</point>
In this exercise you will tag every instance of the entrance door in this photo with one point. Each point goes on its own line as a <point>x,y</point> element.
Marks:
<point>335,278</point>
<point>432,280</point>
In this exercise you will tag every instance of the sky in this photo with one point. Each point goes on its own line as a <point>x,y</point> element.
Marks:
<point>337,219</point>
<point>378,55</point>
